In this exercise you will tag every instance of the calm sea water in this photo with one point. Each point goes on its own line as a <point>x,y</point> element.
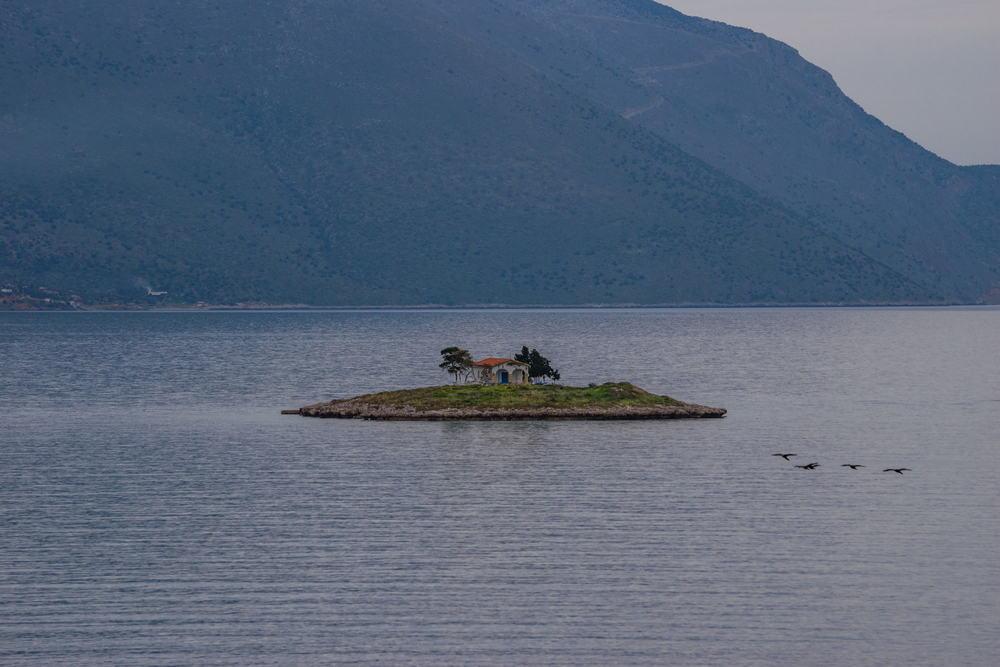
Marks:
<point>155,508</point>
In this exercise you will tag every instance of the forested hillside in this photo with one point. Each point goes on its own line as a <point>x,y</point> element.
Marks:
<point>438,152</point>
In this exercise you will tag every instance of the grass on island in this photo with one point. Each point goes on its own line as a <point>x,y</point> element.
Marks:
<point>478,397</point>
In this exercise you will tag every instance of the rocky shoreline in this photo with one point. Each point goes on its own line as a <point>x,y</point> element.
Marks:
<point>353,408</point>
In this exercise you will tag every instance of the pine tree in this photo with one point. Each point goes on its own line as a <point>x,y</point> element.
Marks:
<point>538,366</point>
<point>456,361</point>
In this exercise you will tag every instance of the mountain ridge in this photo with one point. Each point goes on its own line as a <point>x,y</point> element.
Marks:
<point>379,154</point>
<point>856,203</point>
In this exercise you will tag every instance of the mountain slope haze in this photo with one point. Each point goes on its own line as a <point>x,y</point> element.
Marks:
<point>406,153</point>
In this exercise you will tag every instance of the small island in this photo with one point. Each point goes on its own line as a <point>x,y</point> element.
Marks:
<point>510,402</point>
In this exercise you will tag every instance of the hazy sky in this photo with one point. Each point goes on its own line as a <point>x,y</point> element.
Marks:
<point>927,68</point>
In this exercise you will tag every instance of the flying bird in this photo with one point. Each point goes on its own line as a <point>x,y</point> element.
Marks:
<point>784,456</point>
<point>852,466</point>
<point>808,466</point>
<point>899,470</point>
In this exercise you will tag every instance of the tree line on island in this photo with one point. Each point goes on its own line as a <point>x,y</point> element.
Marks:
<point>459,362</point>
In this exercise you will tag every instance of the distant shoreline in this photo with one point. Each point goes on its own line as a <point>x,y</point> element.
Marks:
<point>63,306</point>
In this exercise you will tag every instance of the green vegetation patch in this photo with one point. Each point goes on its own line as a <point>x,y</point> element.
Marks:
<point>493,397</point>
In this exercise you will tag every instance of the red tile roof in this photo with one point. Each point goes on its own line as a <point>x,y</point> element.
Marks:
<point>494,361</point>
